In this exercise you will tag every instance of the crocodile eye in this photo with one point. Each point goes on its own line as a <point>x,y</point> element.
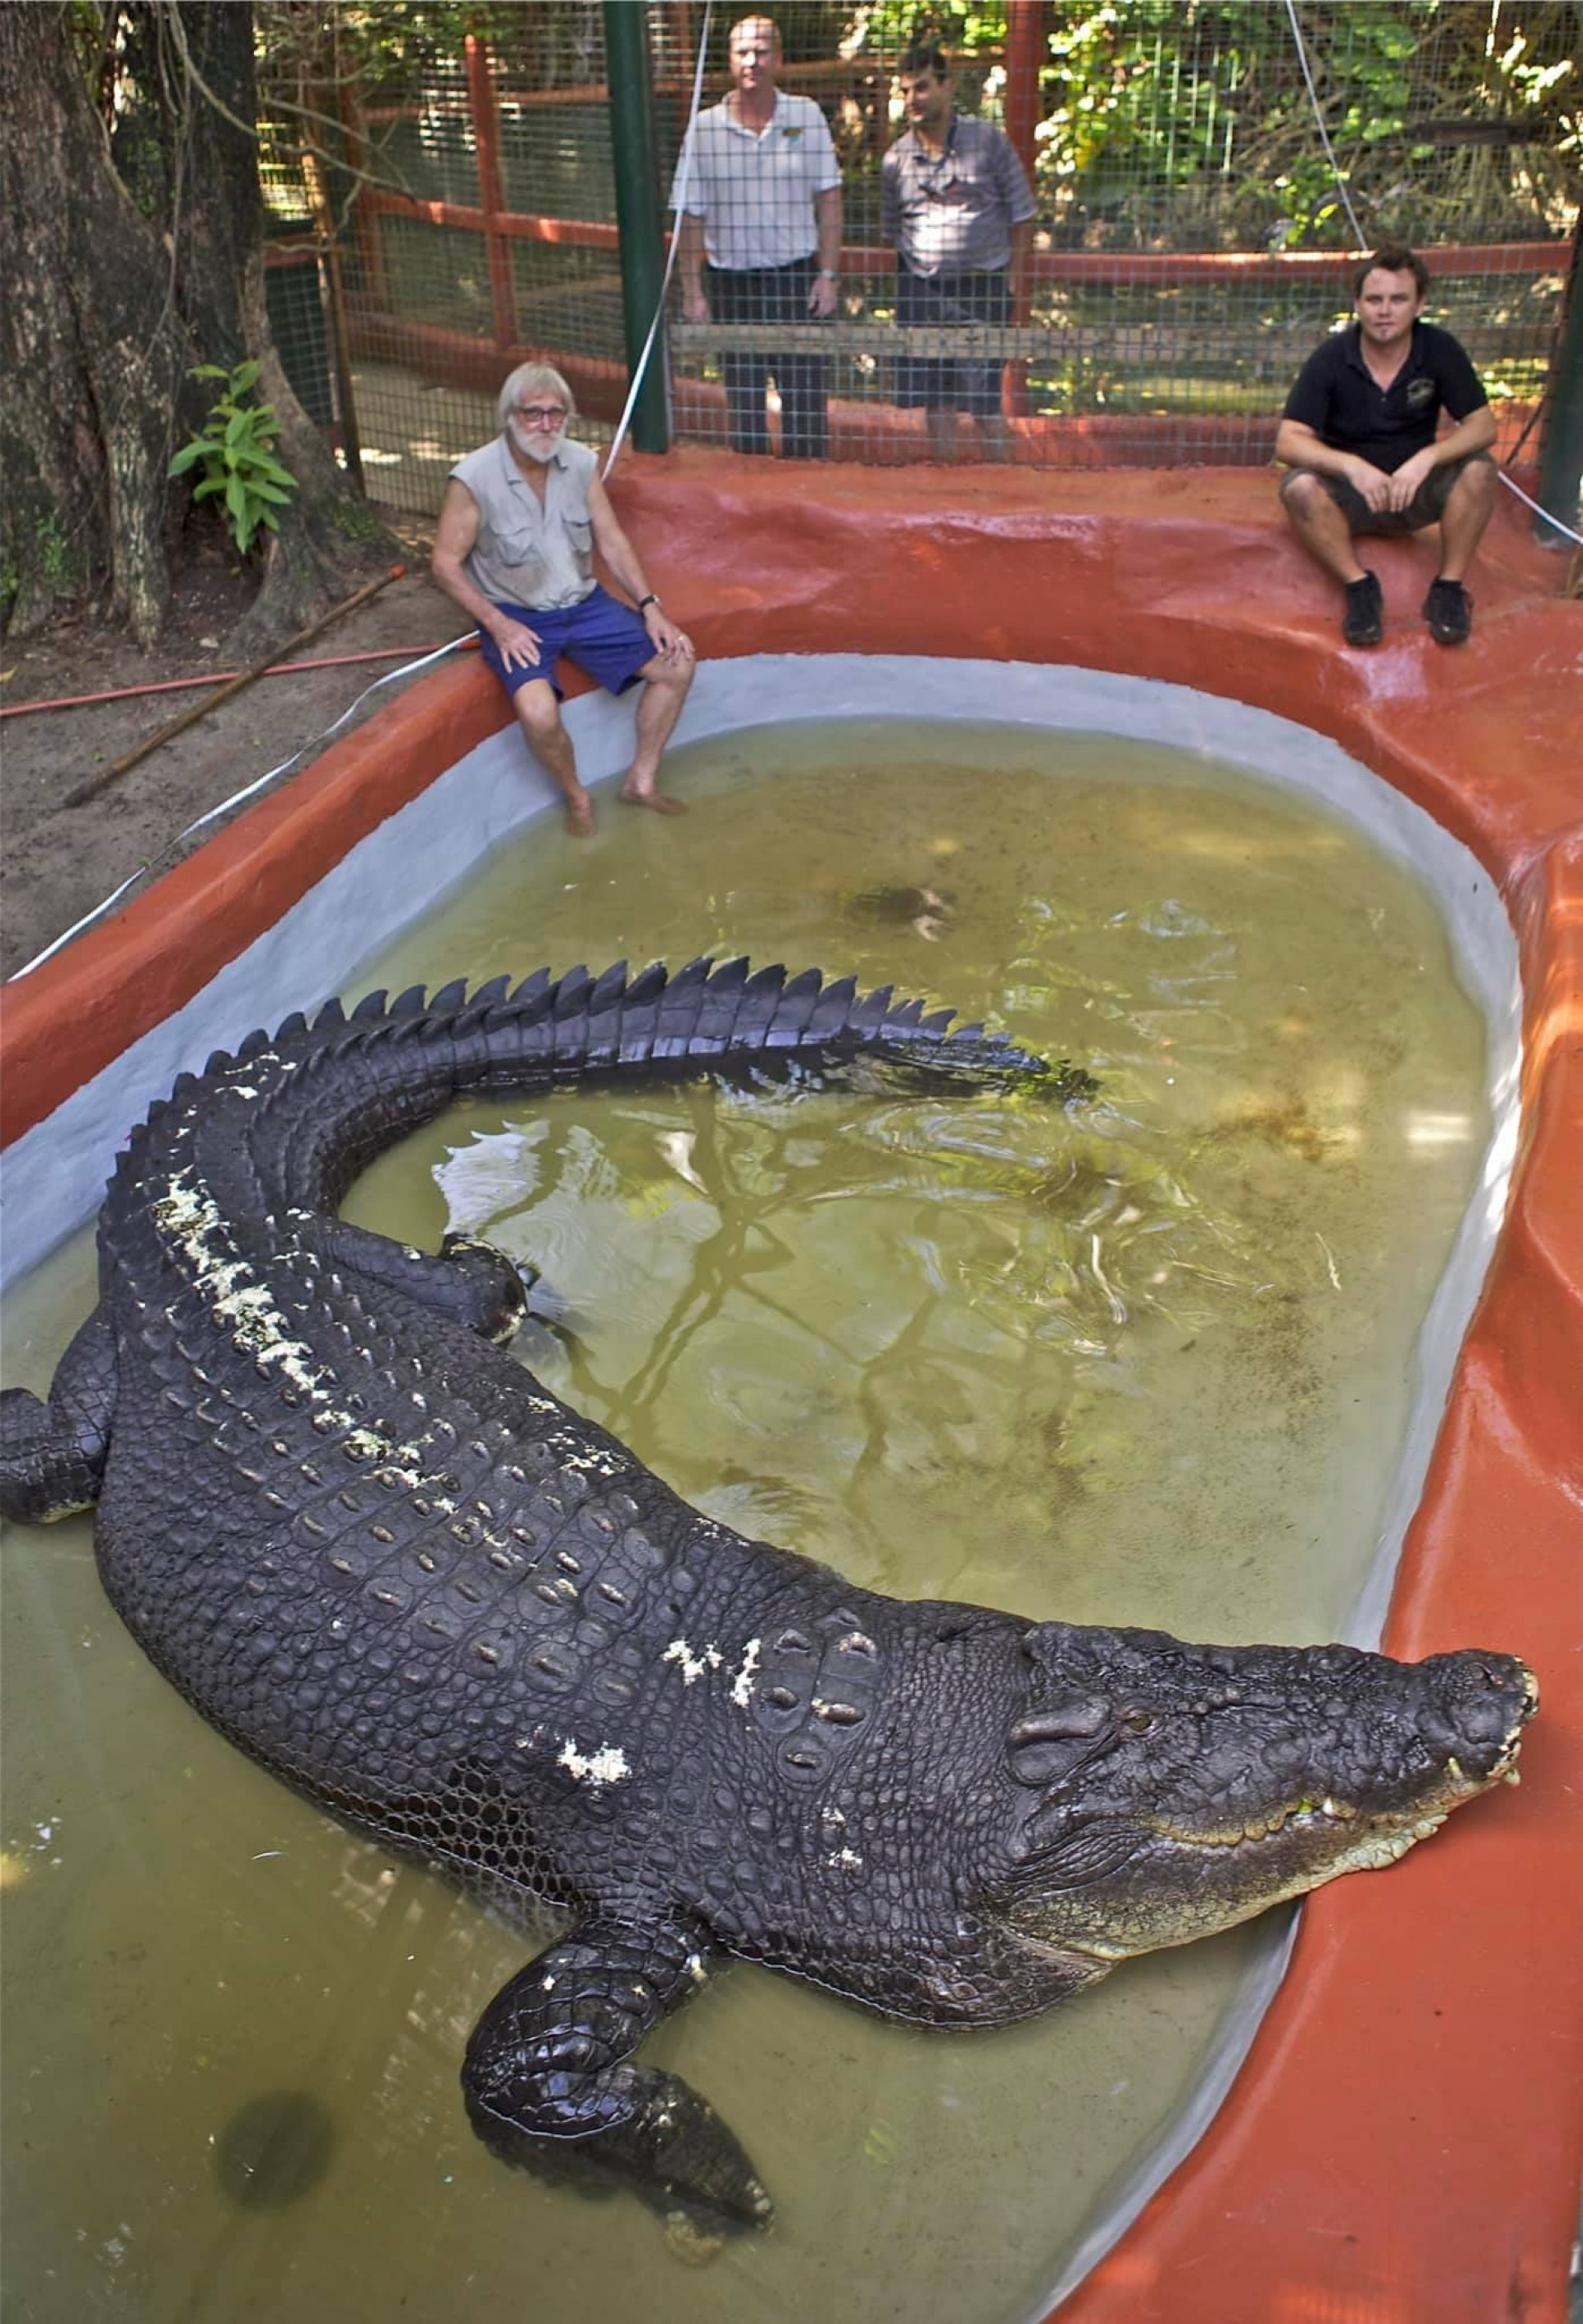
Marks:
<point>1136,1720</point>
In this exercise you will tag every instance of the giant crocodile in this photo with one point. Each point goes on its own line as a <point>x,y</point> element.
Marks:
<point>371,1548</point>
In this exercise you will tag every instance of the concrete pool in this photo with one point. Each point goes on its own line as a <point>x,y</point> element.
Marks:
<point>1322,2142</point>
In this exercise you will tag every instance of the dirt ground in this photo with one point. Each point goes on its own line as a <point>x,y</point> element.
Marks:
<point>57,861</point>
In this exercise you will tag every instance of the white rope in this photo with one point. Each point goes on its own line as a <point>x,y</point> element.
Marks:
<point>1320,125</point>
<point>260,782</point>
<point>1358,237</point>
<point>678,195</point>
<point>1538,511</point>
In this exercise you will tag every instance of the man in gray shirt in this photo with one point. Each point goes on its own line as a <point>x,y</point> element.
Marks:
<point>514,547</point>
<point>956,205</point>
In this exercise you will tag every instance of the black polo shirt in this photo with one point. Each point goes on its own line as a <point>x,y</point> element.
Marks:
<point>1337,396</point>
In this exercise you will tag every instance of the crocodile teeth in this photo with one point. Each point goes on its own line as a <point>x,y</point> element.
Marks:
<point>1510,1777</point>
<point>1304,1813</point>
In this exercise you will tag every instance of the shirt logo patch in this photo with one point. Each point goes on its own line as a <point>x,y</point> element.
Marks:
<point>790,136</point>
<point>1419,391</point>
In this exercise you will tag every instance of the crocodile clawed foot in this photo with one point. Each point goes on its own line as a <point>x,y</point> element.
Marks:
<point>673,2153</point>
<point>545,1305</point>
<point>680,2145</point>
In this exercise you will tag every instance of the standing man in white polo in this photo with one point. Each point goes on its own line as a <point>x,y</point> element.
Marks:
<point>761,193</point>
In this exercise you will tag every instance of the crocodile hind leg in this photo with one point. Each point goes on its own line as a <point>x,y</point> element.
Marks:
<point>52,1455</point>
<point>467,1279</point>
<point>548,2064</point>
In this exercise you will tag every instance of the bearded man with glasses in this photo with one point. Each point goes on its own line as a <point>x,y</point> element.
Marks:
<point>518,526</point>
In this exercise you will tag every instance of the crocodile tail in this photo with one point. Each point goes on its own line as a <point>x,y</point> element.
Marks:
<point>706,1015</point>
<point>579,1023</point>
<point>312,1103</point>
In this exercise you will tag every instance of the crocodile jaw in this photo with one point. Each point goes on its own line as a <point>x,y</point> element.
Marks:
<point>1178,1885</point>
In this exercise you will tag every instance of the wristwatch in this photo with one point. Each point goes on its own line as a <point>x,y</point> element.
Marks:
<point>827,275</point>
<point>651,599</point>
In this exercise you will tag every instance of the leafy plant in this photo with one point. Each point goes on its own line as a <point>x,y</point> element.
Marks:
<point>235,447</point>
<point>55,561</point>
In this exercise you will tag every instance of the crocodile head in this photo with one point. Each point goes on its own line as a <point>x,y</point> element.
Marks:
<point>1172,1790</point>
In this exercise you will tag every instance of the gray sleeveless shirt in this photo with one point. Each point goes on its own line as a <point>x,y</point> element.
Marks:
<point>540,557</point>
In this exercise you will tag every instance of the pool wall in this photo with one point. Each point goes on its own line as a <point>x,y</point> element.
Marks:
<point>1402,2142</point>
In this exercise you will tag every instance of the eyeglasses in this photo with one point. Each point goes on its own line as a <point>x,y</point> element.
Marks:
<point>542,415</point>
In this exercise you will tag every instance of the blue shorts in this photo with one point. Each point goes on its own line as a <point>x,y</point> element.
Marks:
<point>601,635</point>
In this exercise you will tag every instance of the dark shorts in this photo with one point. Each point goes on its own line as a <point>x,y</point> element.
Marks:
<point>1426,507</point>
<point>938,302</point>
<point>601,635</point>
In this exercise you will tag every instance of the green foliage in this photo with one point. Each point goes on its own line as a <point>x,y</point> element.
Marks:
<point>54,557</point>
<point>884,28</point>
<point>1190,125</point>
<point>38,564</point>
<point>235,447</point>
<point>355,521</point>
<point>382,44</point>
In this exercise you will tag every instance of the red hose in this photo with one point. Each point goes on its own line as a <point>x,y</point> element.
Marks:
<point>219,678</point>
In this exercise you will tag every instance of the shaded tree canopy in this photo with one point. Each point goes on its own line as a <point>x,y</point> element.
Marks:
<point>133,225</point>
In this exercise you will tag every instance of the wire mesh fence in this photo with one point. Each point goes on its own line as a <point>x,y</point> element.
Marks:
<point>1193,180</point>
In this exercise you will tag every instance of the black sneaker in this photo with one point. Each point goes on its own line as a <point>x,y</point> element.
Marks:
<point>1449,610</point>
<point>1364,622</point>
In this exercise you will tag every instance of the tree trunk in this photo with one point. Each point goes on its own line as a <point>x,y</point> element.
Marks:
<point>112,300</point>
<point>92,354</point>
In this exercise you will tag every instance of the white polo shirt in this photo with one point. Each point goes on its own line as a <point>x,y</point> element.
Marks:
<point>754,190</point>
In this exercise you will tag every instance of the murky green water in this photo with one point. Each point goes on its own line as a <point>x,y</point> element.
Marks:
<point>1145,1363</point>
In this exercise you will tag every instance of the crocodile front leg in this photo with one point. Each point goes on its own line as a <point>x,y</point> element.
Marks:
<point>52,1455</point>
<point>547,2063</point>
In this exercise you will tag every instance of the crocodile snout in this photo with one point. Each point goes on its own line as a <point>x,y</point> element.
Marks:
<point>1475,1708</point>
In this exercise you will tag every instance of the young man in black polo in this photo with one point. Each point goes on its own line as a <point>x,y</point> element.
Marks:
<point>1359,432</point>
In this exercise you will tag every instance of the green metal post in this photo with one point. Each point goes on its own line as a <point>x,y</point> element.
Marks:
<point>638,214</point>
<point>1561,455</point>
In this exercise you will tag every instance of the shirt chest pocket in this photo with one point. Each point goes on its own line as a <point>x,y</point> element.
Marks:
<point>517,547</point>
<point>789,161</point>
<point>580,535</point>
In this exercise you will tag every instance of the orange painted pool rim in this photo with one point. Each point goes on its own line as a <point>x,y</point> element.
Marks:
<point>1403,2143</point>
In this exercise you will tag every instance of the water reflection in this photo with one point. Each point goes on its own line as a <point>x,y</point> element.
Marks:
<point>1438,1130</point>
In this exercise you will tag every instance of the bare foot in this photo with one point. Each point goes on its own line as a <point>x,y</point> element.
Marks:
<point>654,801</point>
<point>579,818</point>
